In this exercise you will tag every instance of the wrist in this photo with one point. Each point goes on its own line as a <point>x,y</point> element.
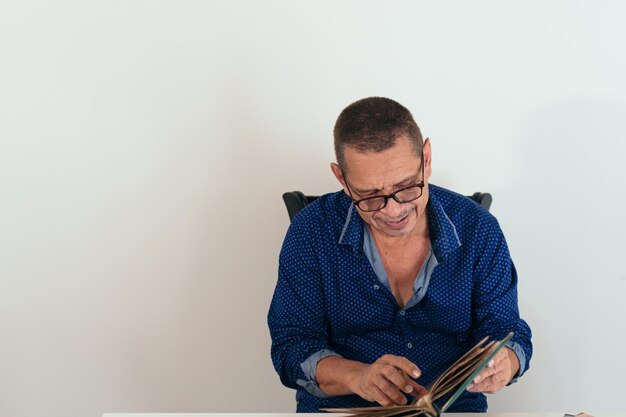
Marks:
<point>353,376</point>
<point>515,365</point>
<point>338,376</point>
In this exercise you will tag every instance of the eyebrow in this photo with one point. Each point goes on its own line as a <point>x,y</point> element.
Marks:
<point>377,190</point>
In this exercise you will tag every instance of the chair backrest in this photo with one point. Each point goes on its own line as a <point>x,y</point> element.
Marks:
<point>296,201</point>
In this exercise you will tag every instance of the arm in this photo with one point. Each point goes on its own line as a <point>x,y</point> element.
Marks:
<point>296,317</point>
<point>495,308</point>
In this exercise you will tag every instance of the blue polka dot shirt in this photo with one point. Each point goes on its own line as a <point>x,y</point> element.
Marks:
<point>329,299</point>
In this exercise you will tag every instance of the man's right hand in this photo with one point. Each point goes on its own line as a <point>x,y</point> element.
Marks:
<point>385,381</point>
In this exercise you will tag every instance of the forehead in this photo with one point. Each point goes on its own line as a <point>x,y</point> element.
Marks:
<point>381,170</point>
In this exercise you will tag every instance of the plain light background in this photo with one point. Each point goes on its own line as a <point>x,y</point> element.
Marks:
<point>145,145</point>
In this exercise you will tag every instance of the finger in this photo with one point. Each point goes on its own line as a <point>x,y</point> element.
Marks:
<point>490,385</point>
<point>398,378</point>
<point>418,390</point>
<point>495,365</point>
<point>404,364</point>
<point>390,390</point>
<point>381,398</point>
<point>491,369</point>
<point>484,374</point>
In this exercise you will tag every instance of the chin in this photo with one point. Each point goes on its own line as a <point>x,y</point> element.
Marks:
<point>399,233</point>
<point>405,231</point>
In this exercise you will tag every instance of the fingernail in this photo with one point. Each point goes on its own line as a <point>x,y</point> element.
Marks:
<point>403,402</point>
<point>491,363</point>
<point>470,386</point>
<point>477,379</point>
<point>408,388</point>
<point>416,373</point>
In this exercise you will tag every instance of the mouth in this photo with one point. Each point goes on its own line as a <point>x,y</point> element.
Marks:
<point>399,223</point>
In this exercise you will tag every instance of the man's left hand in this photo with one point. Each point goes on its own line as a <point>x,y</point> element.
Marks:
<point>497,374</point>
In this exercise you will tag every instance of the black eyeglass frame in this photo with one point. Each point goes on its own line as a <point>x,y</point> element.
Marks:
<point>392,195</point>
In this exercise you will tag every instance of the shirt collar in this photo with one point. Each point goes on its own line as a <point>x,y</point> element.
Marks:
<point>443,235</point>
<point>352,231</point>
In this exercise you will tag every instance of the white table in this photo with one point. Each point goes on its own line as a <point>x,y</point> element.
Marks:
<point>619,414</point>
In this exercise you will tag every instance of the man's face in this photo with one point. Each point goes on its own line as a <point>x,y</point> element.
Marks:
<point>380,173</point>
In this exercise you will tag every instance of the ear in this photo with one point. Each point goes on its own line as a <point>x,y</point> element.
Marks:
<point>428,158</point>
<point>339,175</point>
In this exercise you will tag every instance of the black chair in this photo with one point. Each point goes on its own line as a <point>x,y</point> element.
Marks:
<point>296,201</point>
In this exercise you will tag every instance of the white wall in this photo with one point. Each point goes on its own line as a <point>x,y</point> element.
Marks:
<point>144,147</point>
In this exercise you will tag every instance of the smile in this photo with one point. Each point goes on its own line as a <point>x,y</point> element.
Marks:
<point>399,224</point>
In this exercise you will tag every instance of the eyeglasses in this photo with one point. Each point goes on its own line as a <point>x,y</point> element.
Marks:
<point>379,202</point>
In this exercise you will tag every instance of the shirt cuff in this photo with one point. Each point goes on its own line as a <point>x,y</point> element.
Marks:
<point>521,357</point>
<point>309,367</point>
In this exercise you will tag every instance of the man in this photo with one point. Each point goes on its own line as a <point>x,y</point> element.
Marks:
<point>392,279</point>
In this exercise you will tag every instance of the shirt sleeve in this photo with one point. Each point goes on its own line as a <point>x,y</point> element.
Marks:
<point>494,297</point>
<point>309,366</point>
<point>296,317</point>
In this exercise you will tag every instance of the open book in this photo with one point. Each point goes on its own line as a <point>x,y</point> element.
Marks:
<point>457,377</point>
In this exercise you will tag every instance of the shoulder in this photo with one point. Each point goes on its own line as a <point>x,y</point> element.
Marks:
<point>324,216</point>
<point>467,215</point>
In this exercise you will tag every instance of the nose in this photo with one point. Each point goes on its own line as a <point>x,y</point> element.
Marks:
<point>393,209</point>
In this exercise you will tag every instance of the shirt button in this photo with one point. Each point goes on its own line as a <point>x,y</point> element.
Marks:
<point>409,345</point>
<point>376,286</point>
<point>402,312</point>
